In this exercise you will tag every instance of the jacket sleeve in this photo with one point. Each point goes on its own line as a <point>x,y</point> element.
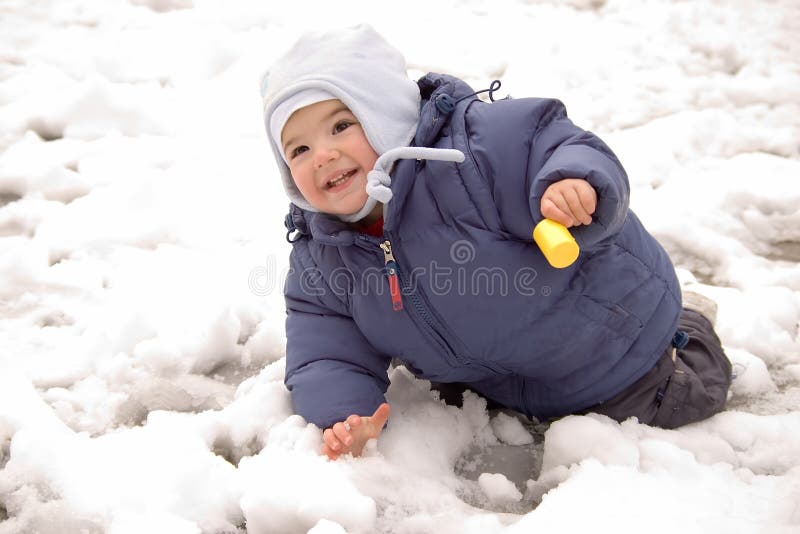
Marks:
<point>332,371</point>
<point>522,146</point>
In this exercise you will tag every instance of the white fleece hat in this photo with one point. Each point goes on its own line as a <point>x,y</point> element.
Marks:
<point>359,68</point>
<point>284,110</point>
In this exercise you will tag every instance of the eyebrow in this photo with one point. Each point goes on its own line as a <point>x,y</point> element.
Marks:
<point>338,109</point>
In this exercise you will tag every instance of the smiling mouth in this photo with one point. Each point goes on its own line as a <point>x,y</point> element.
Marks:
<point>340,179</point>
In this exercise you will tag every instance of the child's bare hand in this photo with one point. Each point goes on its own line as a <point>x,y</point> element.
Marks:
<point>350,435</point>
<point>570,202</point>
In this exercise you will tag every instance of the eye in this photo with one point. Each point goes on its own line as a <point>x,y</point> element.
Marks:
<point>342,126</point>
<point>296,151</point>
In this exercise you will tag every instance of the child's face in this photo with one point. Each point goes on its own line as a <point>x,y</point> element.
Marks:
<point>329,156</point>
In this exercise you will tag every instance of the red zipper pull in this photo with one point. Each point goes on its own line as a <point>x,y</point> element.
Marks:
<point>391,274</point>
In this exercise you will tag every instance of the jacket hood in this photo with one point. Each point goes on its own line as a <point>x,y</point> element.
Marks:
<point>360,68</point>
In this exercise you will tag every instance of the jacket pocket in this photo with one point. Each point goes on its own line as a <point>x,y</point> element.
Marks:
<point>611,315</point>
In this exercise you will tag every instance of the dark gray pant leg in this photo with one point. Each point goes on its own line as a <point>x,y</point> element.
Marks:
<point>699,385</point>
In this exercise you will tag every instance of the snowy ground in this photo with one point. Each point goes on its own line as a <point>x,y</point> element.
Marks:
<point>142,250</point>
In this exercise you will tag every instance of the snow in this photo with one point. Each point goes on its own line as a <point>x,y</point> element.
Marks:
<point>510,430</point>
<point>142,255</point>
<point>498,488</point>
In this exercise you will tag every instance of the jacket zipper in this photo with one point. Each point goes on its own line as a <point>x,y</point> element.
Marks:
<point>429,322</point>
<point>390,266</point>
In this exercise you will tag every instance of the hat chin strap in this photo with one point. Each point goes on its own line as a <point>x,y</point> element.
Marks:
<point>379,181</point>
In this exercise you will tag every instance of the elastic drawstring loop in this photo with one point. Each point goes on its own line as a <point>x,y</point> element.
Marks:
<point>378,179</point>
<point>494,86</point>
<point>446,104</point>
<point>288,222</point>
<point>294,238</point>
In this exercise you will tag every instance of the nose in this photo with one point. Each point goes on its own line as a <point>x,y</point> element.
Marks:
<point>324,155</point>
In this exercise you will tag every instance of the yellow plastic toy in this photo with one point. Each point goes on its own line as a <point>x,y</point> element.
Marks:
<point>556,243</point>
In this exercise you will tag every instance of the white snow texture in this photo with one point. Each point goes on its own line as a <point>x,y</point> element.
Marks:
<point>142,255</point>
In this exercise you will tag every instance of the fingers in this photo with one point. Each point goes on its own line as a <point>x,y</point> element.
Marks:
<point>331,454</point>
<point>340,437</point>
<point>331,441</point>
<point>350,435</point>
<point>588,198</point>
<point>380,416</point>
<point>571,202</point>
<point>342,431</point>
<point>353,421</point>
<point>550,210</point>
<point>576,207</point>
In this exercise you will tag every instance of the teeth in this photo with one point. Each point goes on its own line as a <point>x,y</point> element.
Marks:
<point>339,179</point>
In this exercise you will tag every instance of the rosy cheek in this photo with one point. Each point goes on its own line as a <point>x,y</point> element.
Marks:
<point>299,179</point>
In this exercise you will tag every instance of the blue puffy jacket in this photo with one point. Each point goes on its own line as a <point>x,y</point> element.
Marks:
<point>480,303</point>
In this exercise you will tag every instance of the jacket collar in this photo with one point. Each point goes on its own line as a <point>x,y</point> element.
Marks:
<point>326,229</point>
<point>433,87</point>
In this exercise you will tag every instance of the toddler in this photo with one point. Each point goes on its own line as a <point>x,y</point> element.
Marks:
<point>411,218</point>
